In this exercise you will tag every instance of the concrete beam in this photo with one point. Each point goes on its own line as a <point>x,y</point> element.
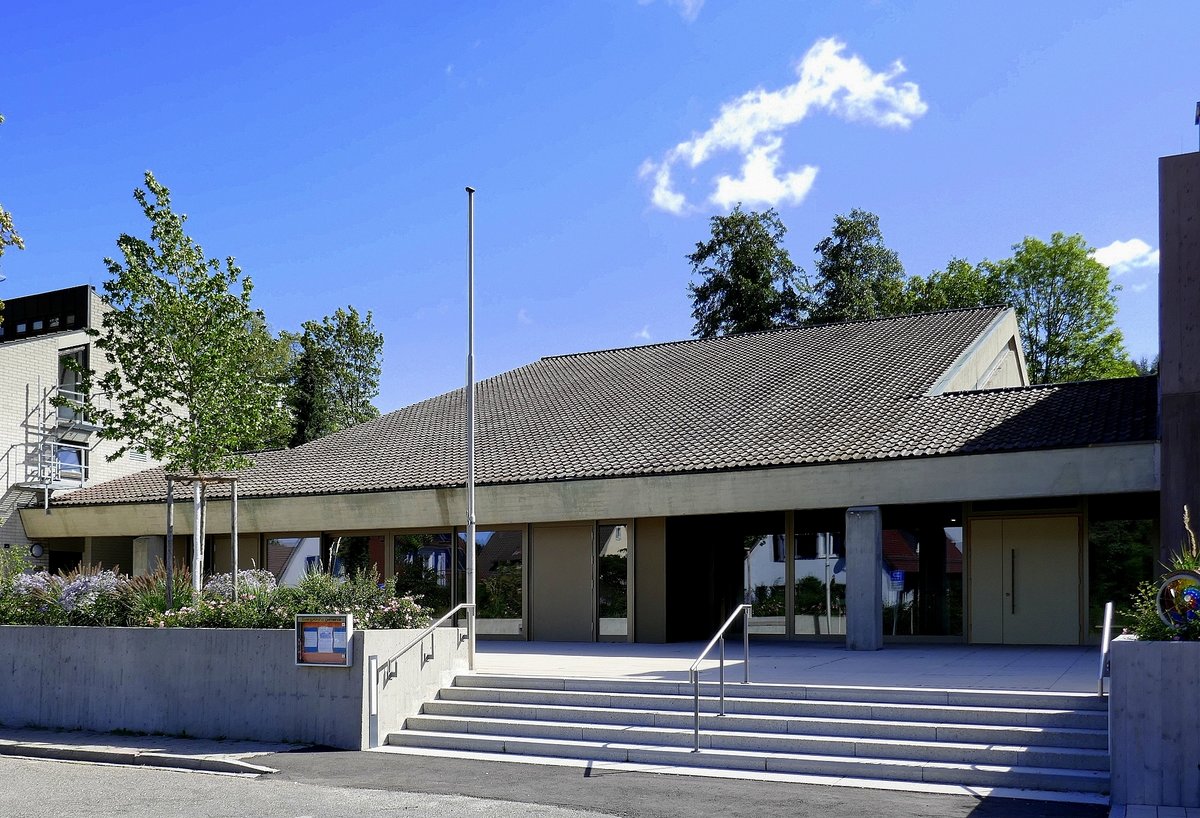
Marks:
<point>1055,473</point>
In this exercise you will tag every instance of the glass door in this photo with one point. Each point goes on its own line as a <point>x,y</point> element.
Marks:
<point>766,561</point>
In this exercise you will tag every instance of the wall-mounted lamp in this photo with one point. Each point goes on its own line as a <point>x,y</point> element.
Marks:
<point>36,551</point>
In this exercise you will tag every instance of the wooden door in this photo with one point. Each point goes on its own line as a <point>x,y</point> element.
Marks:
<point>562,594</point>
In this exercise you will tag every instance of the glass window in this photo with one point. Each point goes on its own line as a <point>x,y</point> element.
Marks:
<point>767,565</point>
<point>349,555</point>
<point>922,571</point>
<point>1121,554</point>
<point>71,463</point>
<point>612,568</point>
<point>820,581</point>
<point>70,364</point>
<point>499,561</point>
<point>290,558</point>
<point>422,563</point>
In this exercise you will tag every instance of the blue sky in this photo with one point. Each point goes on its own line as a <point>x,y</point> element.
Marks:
<point>326,147</point>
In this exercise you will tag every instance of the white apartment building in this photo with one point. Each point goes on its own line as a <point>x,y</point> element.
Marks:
<point>46,450</point>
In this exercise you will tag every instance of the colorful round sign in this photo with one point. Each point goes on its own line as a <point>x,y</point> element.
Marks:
<point>1179,598</point>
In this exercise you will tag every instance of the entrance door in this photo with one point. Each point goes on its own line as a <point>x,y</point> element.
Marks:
<point>1025,578</point>
<point>561,588</point>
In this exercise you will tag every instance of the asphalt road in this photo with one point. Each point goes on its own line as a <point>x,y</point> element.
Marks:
<point>643,794</point>
<point>58,789</point>
<point>336,784</point>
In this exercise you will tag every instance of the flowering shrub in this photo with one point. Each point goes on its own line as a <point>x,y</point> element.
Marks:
<point>107,598</point>
<point>249,582</point>
<point>86,590</point>
<point>37,583</point>
<point>31,599</point>
<point>397,612</point>
<point>218,612</point>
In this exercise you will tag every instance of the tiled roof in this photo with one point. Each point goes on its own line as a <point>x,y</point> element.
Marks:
<point>818,394</point>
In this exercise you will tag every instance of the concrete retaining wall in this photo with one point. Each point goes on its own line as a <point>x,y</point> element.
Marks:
<point>1154,713</point>
<point>213,683</point>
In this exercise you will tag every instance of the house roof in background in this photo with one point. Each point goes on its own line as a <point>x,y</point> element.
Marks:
<point>818,394</point>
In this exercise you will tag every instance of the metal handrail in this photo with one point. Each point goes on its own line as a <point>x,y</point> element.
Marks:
<point>1105,641</point>
<point>419,638</point>
<point>694,670</point>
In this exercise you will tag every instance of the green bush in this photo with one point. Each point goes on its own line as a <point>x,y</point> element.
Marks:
<point>1143,615</point>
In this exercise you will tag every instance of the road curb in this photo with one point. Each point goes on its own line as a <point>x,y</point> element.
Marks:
<point>143,758</point>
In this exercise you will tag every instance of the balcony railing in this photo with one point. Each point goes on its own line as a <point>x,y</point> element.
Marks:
<point>56,464</point>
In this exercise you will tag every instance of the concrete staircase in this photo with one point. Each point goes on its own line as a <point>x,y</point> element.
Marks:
<point>1006,740</point>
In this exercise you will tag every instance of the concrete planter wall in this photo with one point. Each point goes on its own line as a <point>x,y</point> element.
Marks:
<point>1155,723</point>
<point>214,683</point>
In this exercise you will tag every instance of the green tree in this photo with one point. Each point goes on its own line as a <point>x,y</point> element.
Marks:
<point>336,375</point>
<point>1146,366</point>
<point>189,377</point>
<point>858,276</point>
<point>960,285</point>
<point>747,279</point>
<point>9,237</point>
<point>1066,309</point>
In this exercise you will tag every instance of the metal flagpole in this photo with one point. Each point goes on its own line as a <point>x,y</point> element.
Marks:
<point>471,426</point>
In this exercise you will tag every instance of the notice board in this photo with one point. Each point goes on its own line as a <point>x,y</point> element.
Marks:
<point>325,640</point>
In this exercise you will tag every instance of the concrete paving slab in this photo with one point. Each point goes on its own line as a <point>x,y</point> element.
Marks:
<point>1065,669</point>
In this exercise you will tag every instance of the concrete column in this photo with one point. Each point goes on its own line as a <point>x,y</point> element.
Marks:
<point>1179,337</point>
<point>864,578</point>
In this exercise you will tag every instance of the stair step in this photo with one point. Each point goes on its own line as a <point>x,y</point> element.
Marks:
<point>984,775</point>
<point>846,746</point>
<point>1019,716</point>
<point>891,695</point>
<point>1066,737</point>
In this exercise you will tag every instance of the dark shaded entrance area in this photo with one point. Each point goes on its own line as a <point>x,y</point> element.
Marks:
<point>706,568</point>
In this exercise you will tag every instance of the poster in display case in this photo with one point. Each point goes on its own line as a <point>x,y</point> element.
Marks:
<point>325,640</point>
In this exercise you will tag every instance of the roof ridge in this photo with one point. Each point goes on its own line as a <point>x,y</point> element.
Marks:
<point>946,311</point>
<point>1033,387</point>
<point>793,328</point>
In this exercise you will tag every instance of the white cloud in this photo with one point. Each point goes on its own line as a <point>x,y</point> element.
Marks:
<point>1140,288</point>
<point>1123,256</point>
<point>759,182</point>
<point>752,126</point>
<point>643,334</point>
<point>523,317</point>
<point>689,10</point>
